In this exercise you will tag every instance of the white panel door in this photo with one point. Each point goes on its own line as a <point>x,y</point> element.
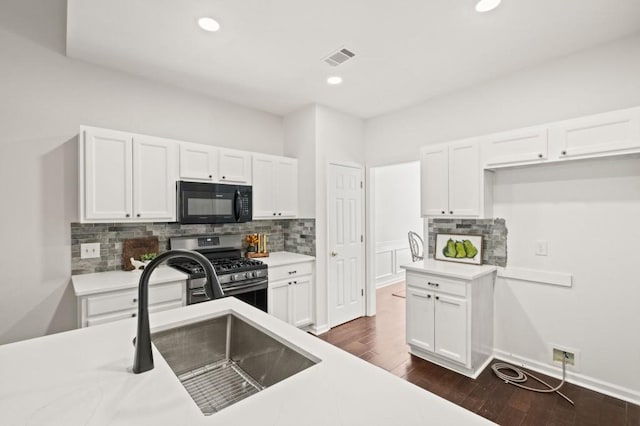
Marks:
<point>434,167</point>
<point>609,133</point>
<point>234,166</point>
<point>420,318</point>
<point>154,183</point>
<point>264,187</point>
<point>286,179</point>
<point>107,175</point>
<point>522,146</point>
<point>278,300</point>
<point>198,162</point>
<point>451,328</point>
<point>346,260</point>
<point>464,178</point>
<point>301,307</point>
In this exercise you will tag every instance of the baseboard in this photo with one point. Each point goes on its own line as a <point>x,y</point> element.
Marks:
<point>571,377</point>
<point>318,329</point>
<point>393,281</point>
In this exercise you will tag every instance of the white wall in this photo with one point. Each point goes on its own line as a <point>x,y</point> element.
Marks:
<point>300,142</point>
<point>45,98</point>
<point>396,201</point>
<point>588,212</point>
<point>596,80</point>
<point>574,206</point>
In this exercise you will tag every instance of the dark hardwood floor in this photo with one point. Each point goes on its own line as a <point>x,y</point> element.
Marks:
<point>380,340</point>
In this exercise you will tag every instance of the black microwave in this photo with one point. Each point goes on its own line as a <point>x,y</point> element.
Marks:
<point>213,203</point>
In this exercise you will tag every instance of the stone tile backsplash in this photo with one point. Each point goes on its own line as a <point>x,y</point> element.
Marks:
<point>494,232</point>
<point>294,235</point>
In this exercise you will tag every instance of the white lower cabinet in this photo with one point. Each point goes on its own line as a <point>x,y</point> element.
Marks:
<point>450,320</point>
<point>100,308</point>
<point>290,295</point>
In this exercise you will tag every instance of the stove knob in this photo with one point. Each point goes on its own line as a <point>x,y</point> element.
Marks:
<point>251,274</point>
<point>232,277</point>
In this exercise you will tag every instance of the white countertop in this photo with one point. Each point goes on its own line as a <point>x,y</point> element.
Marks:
<point>83,377</point>
<point>101,282</point>
<point>279,258</point>
<point>450,269</point>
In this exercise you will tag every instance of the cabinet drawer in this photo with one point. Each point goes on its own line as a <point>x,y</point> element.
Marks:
<point>437,283</point>
<point>128,299</point>
<point>129,313</point>
<point>290,271</point>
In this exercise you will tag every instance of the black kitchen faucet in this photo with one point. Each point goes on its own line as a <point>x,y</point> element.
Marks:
<point>143,360</point>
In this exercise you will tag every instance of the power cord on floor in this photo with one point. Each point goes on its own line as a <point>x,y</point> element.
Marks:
<point>521,377</point>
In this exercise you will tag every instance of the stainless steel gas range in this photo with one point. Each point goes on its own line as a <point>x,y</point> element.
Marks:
<point>245,279</point>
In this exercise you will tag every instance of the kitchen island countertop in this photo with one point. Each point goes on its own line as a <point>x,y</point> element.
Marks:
<point>83,377</point>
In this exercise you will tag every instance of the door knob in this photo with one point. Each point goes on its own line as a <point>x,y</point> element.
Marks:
<point>334,253</point>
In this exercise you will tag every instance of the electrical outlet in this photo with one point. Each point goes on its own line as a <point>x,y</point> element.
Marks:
<point>89,250</point>
<point>542,248</point>
<point>558,355</point>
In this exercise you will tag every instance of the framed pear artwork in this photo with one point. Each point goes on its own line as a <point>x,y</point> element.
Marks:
<point>459,248</point>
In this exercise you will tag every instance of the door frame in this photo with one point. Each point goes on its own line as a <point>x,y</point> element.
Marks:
<point>363,252</point>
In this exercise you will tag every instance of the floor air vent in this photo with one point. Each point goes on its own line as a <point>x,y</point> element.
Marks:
<point>338,57</point>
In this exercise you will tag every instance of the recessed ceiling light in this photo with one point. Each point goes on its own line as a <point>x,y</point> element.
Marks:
<point>208,24</point>
<point>334,80</point>
<point>487,5</point>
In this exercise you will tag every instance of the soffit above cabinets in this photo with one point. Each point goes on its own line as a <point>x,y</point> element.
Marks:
<point>269,54</point>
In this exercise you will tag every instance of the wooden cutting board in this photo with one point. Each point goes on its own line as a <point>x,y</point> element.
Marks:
<point>135,248</point>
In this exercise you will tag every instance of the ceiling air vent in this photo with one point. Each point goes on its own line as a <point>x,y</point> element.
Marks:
<point>338,57</point>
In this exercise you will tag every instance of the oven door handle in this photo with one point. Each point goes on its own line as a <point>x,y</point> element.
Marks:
<point>237,205</point>
<point>261,285</point>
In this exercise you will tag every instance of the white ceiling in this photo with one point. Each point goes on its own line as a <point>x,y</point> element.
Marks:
<point>268,54</point>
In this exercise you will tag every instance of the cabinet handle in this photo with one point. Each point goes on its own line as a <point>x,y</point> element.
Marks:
<point>135,300</point>
<point>133,315</point>
<point>138,215</point>
<point>428,296</point>
<point>433,284</point>
<point>443,211</point>
<point>279,214</point>
<point>437,297</point>
<point>564,152</point>
<point>210,176</point>
<point>127,215</point>
<point>274,213</point>
<point>295,282</point>
<point>540,156</point>
<point>450,211</point>
<point>224,177</point>
<point>289,282</point>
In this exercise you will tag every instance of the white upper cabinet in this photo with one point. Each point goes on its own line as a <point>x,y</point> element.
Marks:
<point>234,166</point>
<point>275,187</point>
<point>517,147</point>
<point>198,162</point>
<point>126,177</point>
<point>155,168</point>
<point>106,158</point>
<point>453,183</point>
<point>611,133</point>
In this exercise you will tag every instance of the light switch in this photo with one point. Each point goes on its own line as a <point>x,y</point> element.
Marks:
<point>542,248</point>
<point>89,250</point>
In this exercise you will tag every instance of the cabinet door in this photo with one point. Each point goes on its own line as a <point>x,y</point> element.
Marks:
<point>154,186</point>
<point>301,308</point>
<point>278,300</point>
<point>434,173</point>
<point>523,146</point>
<point>610,133</point>
<point>234,166</point>
<point>464,179</point>
<point>198,162</point>
<point>106,158</point>
<point>286,184</point>
<point>264,187</point>
<point>451,328</point>
<point>420,318</point>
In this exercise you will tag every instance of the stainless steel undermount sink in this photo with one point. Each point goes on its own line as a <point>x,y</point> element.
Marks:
<point>225,359</point>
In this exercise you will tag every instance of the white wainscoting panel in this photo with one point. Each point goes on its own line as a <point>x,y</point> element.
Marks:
<point>390,255</point>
